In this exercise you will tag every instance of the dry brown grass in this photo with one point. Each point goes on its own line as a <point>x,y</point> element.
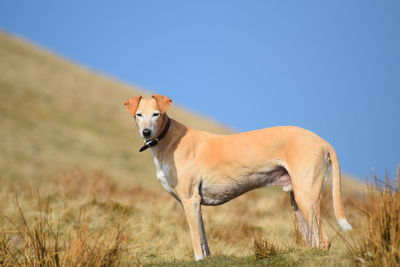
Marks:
<point>39,233</point>
<point>297,236</point>
<point>264,249</point>
<point>76,213</point>
<point>41,243</point>
<point>56,115</point>
<point>86,196</point>
<point>377,240</point>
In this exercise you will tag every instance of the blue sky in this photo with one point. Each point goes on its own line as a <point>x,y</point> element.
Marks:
<point>329,66</point>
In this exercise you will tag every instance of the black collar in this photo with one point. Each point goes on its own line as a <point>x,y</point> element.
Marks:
<point>154,142</point>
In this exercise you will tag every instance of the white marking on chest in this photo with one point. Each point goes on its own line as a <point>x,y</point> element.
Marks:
<point>163,172</point>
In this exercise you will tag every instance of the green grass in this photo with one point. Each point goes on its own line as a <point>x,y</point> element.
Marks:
<point>286,257</point>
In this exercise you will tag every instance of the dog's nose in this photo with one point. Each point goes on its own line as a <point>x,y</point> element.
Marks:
<point>146,132</point>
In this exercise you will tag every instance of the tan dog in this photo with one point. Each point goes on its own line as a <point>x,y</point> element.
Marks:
<point>200,168</point>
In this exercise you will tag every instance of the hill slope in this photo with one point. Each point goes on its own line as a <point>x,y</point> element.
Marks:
<point>60,123</point>
<point>57,115</point>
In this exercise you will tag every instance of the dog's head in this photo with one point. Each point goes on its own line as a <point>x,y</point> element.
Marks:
<point>149,114</point>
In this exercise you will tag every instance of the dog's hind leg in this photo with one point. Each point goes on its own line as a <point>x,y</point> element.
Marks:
<point>305,199</point>
<point>309,222</point>
<point>302,225</point>
<point>192,210</point>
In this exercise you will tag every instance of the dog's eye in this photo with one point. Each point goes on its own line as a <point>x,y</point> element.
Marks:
<point>139,114</point>
<point>156,114</point>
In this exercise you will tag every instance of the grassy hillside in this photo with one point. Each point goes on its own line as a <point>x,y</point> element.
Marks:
<point>70,172</point>
<point>56,115</point>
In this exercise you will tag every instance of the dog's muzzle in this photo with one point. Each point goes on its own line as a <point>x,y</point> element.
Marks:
<point>154,142</point>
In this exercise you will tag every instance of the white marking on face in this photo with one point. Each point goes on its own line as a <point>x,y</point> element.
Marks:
<point>147,120</point>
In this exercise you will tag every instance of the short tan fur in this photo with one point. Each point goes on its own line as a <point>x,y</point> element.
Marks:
<point>200,168</point>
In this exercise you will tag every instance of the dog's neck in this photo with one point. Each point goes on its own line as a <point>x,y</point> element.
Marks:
<point>170,140</point>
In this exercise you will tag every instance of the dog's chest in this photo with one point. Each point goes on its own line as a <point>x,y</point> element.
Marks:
<point>163,173</point>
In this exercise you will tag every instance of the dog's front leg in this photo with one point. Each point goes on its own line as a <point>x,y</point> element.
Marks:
<point>192,209</point>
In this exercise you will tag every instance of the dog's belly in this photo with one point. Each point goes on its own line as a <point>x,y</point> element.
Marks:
<point>213,194</point>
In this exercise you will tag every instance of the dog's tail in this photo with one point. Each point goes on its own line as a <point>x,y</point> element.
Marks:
<point>336,193</point>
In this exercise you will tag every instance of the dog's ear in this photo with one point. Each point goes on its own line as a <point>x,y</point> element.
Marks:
<point>132,104</point>
<point>163,102</point>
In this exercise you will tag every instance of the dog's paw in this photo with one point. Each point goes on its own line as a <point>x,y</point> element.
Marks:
<point>344,224</point>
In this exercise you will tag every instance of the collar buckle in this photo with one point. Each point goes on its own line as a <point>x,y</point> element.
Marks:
<point>152,142</point>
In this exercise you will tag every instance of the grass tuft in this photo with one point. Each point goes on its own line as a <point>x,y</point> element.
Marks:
<point>263,248</point>
<point>40,242</point>
<point>377,241</point>
<point>298,237</point>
